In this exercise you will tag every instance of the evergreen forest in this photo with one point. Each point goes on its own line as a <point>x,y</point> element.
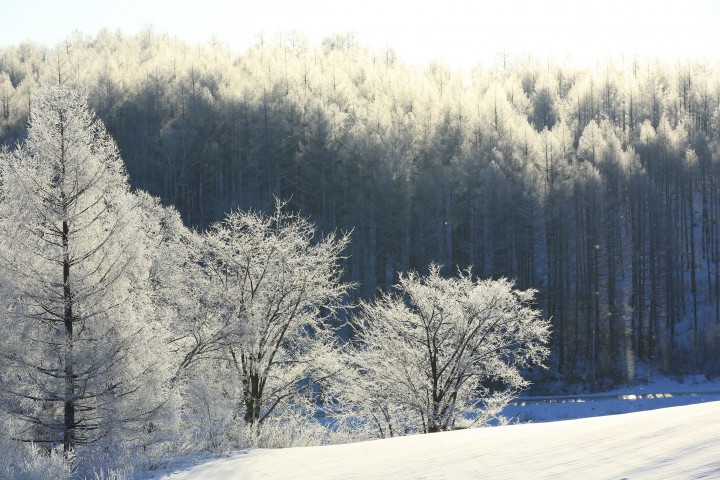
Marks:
<point>597,186</point>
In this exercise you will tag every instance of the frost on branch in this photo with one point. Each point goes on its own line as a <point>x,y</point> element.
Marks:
<point>440,353</point>
<point>81,339</point>
<point>267,289</point>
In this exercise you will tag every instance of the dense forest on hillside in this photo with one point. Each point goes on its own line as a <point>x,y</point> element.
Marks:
<point>599,187</point>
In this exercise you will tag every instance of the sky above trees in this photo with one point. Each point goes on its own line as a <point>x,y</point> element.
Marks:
<point>457,32</point>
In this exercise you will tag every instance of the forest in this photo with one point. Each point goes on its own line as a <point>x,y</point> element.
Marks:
<point>599,188</point>
<point>132,340</point>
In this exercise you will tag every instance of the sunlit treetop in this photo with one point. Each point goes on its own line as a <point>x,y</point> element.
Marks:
<point>459,33</point>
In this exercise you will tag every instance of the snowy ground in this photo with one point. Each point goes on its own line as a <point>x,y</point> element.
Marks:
<point>660,393</point>
<point>674,442</point>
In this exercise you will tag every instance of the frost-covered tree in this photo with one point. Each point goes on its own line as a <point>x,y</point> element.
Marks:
<point>268,288</point>
<point>440,353</point>
<point>81,341</point>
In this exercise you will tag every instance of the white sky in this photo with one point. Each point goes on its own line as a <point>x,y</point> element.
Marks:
<point>458,32</point>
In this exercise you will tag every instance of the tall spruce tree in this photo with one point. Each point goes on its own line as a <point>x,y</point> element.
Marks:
<point>75,260</point>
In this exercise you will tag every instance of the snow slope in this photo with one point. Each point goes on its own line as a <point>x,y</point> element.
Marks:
<point>677,442</point>
<point>660,392</point>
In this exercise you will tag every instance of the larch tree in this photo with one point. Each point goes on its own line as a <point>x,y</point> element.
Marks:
<point>80,338</point>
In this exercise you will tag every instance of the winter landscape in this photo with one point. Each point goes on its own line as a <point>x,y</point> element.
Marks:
<point>319,257</point>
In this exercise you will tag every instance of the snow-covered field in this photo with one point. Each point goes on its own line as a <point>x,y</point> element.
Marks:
<point>678,442</point>
<point>661,392</point>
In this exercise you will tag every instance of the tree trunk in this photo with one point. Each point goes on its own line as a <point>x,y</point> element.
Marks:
<point>69,423</point>
<point>69,437</point>
<point>253,400</point>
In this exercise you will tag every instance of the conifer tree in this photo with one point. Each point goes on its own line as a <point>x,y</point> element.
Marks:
<point>79,331</point>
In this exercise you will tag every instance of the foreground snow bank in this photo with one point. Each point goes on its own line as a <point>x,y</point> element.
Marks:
<point>678,442</point>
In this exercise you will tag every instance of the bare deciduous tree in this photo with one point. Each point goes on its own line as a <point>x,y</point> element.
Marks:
<point>439,354</point>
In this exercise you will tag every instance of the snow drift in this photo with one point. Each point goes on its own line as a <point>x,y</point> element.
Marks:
<point>677,442</point>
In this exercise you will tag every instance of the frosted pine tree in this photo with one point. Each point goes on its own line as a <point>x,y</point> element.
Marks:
<point>78,337</point>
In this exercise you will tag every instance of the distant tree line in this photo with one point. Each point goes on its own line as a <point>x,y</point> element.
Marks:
<point>598,187</point>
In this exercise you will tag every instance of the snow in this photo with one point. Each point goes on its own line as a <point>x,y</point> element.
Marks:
<point>660,392</point>
<point>674,442</point>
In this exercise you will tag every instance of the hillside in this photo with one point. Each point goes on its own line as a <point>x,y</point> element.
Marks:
<point>677,442</point>
<point>596,186</point>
